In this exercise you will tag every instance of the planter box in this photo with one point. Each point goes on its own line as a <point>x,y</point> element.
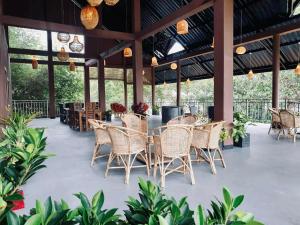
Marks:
<point>243,142</point>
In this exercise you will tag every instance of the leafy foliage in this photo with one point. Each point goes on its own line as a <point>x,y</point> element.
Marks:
<point>222,212</point>
<point>240,122</point>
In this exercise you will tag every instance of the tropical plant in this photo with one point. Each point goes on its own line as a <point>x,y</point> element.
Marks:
<point>155,110</point>
<point>222,213</point>
<point>91,213</point>
<point>153,204</point>
<point>240,122</point>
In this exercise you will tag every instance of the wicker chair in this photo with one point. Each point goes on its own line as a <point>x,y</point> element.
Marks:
<point>275,122</point>
<point>136,122</point>
<point>173,144</point>
<point>206,144</point>
<point>102,138</point>
<point>127,145</point>
<point>186,119</point>
<point>289,122</point>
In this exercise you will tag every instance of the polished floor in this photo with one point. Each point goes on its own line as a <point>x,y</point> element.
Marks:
<point>267,173</point>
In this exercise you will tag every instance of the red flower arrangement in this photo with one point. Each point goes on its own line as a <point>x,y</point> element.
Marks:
<point>118,108</point>
<point>140,108</point>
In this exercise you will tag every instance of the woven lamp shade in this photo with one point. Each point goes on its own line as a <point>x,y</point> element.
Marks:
<point>154,61</point>
<point>72,66</point>
<point>188,82</point>
<point>76,45</point>
<point>111,2</point>
<point>94,2</point>
<point>182,27</point>
<point>240,50</point>
<point>250,75</point>
<point>34,63</point>
<point>127,52</point>
<point>173,66</point>
<point>89,17</point>
<point>297,70</point>
<point>63,56</point>
<point>63,37</point>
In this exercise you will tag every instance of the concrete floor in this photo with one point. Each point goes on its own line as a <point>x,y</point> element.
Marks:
<point>267,173</point>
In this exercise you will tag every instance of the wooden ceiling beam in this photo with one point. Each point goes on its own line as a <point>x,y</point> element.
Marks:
<point>268,33</point>
<point>43,25</point>
<point>184,12</point>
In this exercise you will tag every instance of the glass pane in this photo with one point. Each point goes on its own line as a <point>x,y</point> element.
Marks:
<point>68,85</point>
<point>114,92</point>
<point>22,56</point>
<point>25,38</point>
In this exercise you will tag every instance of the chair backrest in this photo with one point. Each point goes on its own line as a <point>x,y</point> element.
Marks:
<point>90,114</point>
<point>135,122</point>
<point>120,140</point>
<point>78,106</point>
<point>275,115</point>
<point>287,119</point>
<point>187,119</point>
<point>176,140</point>
<point>101,133</point>
<point>174,121</point>
<point>214,137</point>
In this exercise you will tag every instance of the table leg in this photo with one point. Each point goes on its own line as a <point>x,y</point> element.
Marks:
<point>80,122</point>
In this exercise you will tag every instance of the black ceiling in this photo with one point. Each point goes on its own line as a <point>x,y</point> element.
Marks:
<point>257,16</point>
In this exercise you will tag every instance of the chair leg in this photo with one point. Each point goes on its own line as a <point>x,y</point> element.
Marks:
<point>191,169</point>
<point>211,162</point>
<point>110,159</point>
<point>163,178</point>
<point>221,157</point>
<point>127,169</point>
<point>270,129</point>
<point>95,152</point>
<point>279,134</point>
<point>295,134</point>
<point>147,163</point>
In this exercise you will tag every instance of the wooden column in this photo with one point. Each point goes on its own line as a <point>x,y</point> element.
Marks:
<point>101,84</point>
<point>51,80</point>
<point>276,71</point>
<point>153,85</point>
<point>178,99</point>
<point>223,60</point>
<point>137,55</point>
<point>125,83</point>
<point>87,95</point>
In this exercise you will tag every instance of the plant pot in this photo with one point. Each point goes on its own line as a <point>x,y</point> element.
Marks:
<point>155,113</point>
<point>243,142</point>
<point>108,118</point>
<point>18,204</point>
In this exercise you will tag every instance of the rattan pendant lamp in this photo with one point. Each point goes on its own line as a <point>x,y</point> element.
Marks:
<point>94,2</point>
<point>182,26</point>
<point>250,74</point>
<point>75,45</point>
<point>34,63</point>
<point>165,83</point>
<point>154,59</point>
<point>188,81</point>
<point>241,50</point>
<point>173,66</point>
<point>127,51</point>
<point>62,36</point>
<point>297,70</point>
<point>111,2</point>
<point>89,17</point>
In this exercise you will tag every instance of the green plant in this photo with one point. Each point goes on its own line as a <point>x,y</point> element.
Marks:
<point>224,135</point>
<point>108,113</point>
<point>155,109</point>
<point>92,212</point>
<point>240,122</point>
<point>222,213</point>
<point>153,205</point>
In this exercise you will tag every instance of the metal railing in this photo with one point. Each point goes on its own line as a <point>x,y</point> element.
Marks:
<point>256,109</point>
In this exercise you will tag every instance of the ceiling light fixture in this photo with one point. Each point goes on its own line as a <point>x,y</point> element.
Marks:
<point>89,17</point>
<point>240,50</point>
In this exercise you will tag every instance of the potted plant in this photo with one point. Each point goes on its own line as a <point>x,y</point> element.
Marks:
<point>223,137</point>
<point>239,135</point>
<point>140,108</point>
<point>107,115</point>
<point>155,110</point>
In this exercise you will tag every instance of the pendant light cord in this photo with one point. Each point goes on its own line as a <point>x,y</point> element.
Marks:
<point>241,23</point>
<point>298,52</point>
<point>74,15</point>
<point>62,11</point>
<point>153,45</point>
<point>126,25</point>
<point>250,60</point>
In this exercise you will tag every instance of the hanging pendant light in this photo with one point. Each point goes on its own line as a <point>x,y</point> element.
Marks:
<point>144,72</point>
<point>250,75</point>
<point>297,70</point>
<point>63,56</point>
<point>173,66</point>
<point>111,2</point>
<point>34,63</point>
<point>72,66</point>
<point>165,83</point>
<point>154,61</point>
<point>63,37</point>
<point>89,17</point>
<point>188,82</point>
<point>182,27</point>
<point>94,2</point>
<point>241,49</point>
<point>76,45</point>
<point>127,52</point>
<point>213,43</point>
